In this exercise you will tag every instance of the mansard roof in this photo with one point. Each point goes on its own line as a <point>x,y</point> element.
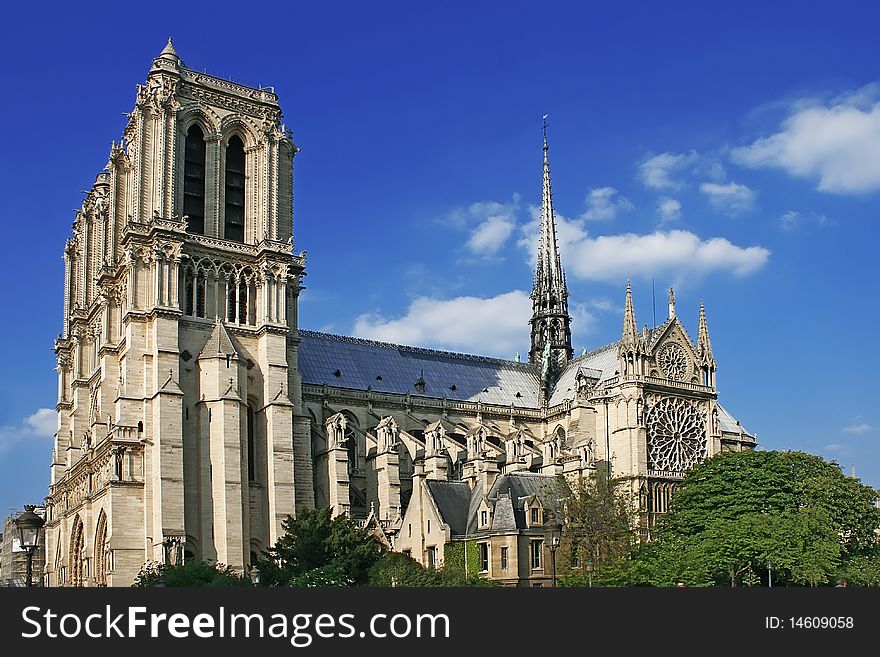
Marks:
<point>346,362</point>
<point>503,518</point>
<point>459,505</point>
<point>521,486</point>
<point>453,500</point>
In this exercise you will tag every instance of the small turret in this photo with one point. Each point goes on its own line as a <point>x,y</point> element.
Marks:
<point>168,58</point>
<point>629,338</point>
<point>631,348</point>
<point>704,350</point>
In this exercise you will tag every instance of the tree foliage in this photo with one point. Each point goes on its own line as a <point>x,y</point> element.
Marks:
<point>861,569</point>
<point>598,515</point>
<point>742,518</point>
<point>317,549</point>
<point>193,572</point>
<point>400,570</point>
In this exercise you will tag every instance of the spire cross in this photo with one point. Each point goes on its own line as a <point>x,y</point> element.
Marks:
<point>545,131</point>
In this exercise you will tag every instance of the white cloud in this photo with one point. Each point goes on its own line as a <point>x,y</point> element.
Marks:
<point>677,252</point>
<point>858,428</point>
<point>488,238</point>
<point>44,422</point>
<point>603,204</point>
<point>793,220</point>
<point>492,326</point>
<point>669,209</point>
<point>613,258</point>
<point>837,145</point>
<point>489,223</point>
<point>730,197</point>
<point>712,169</point>
<point>790,219</point>
<point>40,425</point>
<point>660,171</point>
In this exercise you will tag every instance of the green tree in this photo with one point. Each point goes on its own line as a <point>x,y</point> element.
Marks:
<point>599,524</point>
<point>740,515</point>
<point>400,570</point>
<point>319,550</point>
<point>193,572</point>
<point>861,569</point>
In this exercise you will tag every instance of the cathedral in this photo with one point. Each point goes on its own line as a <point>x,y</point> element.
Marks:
<point>194,415</point>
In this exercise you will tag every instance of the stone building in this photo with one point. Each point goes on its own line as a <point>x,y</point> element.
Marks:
<point>13,558</point>
<point>195,414</point>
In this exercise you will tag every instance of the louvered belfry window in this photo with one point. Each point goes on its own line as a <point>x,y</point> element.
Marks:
<point>234,217</point>
<point>194,180</point>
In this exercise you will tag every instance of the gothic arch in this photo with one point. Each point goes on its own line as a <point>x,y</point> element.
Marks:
<point>561,437</point>
<point>101,551</point>
<point>202,115</point>
<point>233,125</point>
<point>193,548</point>
<point>76,554</point>
<point>352,429</point>
<point>256,548</point>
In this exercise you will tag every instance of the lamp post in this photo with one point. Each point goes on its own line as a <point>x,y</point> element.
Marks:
<point>29,525</point>
<point>590,574</point>
<point>552,533</point>
<point>769,573</point>
<point>255,576</point>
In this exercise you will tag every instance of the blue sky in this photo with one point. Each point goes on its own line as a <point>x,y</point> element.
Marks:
<point>732,151</point>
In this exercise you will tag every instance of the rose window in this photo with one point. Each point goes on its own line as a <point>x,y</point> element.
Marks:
<point>673,361</point>
<point>676,436</point>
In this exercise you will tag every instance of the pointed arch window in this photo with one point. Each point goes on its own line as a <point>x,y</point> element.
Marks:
<point>75,558</point>
<point>101,550</point>
<point>233,223</point>
<point>194,180</point>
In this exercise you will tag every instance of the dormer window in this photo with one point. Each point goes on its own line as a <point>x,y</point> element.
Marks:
<point>534,516</point>
<point>484,518</point>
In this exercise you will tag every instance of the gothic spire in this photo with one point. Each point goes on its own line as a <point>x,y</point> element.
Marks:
<point>551,323</point>
<point>704,346</point>
<point>629,338</point>
<point>549,272</point>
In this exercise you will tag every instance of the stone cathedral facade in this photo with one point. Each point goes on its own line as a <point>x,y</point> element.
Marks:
<point>194,414</point>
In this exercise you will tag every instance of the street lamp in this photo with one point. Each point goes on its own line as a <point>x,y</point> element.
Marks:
<point>553,532</point>
<point>590,573</point>
<point>769,573</point>
<point>255,576</point>
<point>29,525</point>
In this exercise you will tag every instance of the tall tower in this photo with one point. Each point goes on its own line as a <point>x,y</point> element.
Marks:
<point>551,323</point>
<point>180,427</point>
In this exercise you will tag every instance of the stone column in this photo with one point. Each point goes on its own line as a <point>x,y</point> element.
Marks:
<point>337,465</point>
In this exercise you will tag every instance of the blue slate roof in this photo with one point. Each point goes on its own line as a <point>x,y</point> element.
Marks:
<point>453,501</point>
<point>395,368</point>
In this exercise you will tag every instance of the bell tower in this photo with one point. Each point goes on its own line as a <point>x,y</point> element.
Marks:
<point>179,390</point>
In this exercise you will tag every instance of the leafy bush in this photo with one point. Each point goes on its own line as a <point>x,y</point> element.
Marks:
<point>193,572</point>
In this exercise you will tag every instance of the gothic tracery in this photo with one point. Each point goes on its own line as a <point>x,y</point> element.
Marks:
<point>676,435</point>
